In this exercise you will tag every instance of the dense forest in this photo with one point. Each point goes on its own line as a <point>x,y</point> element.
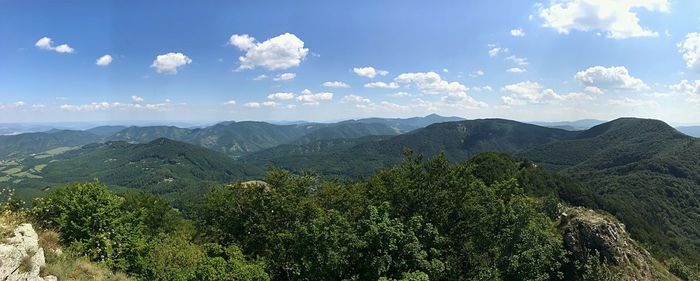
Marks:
<point>488,218</point>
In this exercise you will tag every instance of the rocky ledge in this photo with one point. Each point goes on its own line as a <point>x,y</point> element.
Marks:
<point>21,258</point>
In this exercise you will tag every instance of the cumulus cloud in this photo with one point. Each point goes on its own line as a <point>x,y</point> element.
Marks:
<point>170,62</point>
<point>309,98</point>
<point>495,51</point>
<point>528,92</point>
<point>610,78</point>
<point>285,76</point>
<point>335,84</point>
<point>136,100</point>
<point>401,94</point>
<point>689,89</point>
<point>281,52</point>
<point>516,70</point>
<point>482,89</point>
<point>382,85</point>
<point>476,73</point>
<point>369,72</point>
<point>281,96</point>
<point>137,103</point>
<point>260,77</point>
<point>230,102</point>
<point>518,60</point>
<point>430,83</point>
<point>518,32</point>
<point>462,100</point>
<point>104,60</point>
<point>45,43</point>
<point>355,99</point>
<point>690,48</point>
<point>252,104</point>
<point>365,103</point>
<point>618,19</point>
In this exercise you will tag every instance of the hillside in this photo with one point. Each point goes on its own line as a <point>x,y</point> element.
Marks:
<point>162,166</point>
<point>29,143</point>
<point>458,139</point>
<point>647,175</point>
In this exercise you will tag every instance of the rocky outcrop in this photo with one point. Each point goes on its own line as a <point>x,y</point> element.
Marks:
<point>21,258</point>
<point>587,232</point>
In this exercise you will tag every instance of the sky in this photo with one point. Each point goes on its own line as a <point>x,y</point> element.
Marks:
<point>66,61</point>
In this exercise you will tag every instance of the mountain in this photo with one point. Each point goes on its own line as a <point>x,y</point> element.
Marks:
<point>646,173</point>
<point>693,131</point>
<point>458,140</point>
<point>29,143</point>
<point>106,131</point>
<point>348,130</point>
<point>642,171</point>
<point>578,125</point>
<point>161,166</point>
<point>136,134</point>
<point>408,124</point>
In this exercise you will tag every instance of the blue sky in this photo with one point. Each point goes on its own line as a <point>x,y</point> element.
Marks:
<point>180,60</point>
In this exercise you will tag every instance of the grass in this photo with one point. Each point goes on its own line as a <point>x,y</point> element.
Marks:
<point>52,152</point>
<point>39,167</point>
<point>68,267</point>
<point>12,171</point>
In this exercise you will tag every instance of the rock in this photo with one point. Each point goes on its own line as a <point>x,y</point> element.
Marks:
<point>587,231</point>
<point>20,256</point>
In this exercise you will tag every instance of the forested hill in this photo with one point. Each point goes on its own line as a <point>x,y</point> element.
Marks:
<point>647,173</point>
<point>24,144</point>
<point>162,166</point>
<point>459,140</point>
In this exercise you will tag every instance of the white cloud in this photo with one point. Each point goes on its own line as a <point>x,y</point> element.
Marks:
<point>309,98</point>
<point>533,93</point>
<point>281,96</point>
<point>170,62</point>
<point>518,60</point>
<point>136,100</point>
<point>137,103</point>
<point>369,72</point>
<point>281,52</point>
<point>445,70</point>
<point>260,77</point>
<point>476,73</point>
<point>516,70</point>
<point>462,100</point>
<point>689,89</point>
<point>401,94</point>
<point>335,84</point>
<point>285,76</point>
<point>690,48</point>
<point>610,78</point>
<point>430,83</point>
<point>628,102</point>
<point>482,89</point>
<point>618,19</point>
<point>382,85</point>
<point>104,60</point>
<point>518,32</point>
<point>230,102</point>
<point>355,99</point>
<point>45,43</point>
<point>494,51</point>
<point>252,104</point>
<point>593,90</point>
<point>270,104</point>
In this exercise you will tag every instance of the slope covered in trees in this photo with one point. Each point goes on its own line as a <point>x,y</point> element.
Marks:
<point>646,173</point>
<point>489,218</point>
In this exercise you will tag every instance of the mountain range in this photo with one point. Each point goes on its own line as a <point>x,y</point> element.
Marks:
<point>642,171</point>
